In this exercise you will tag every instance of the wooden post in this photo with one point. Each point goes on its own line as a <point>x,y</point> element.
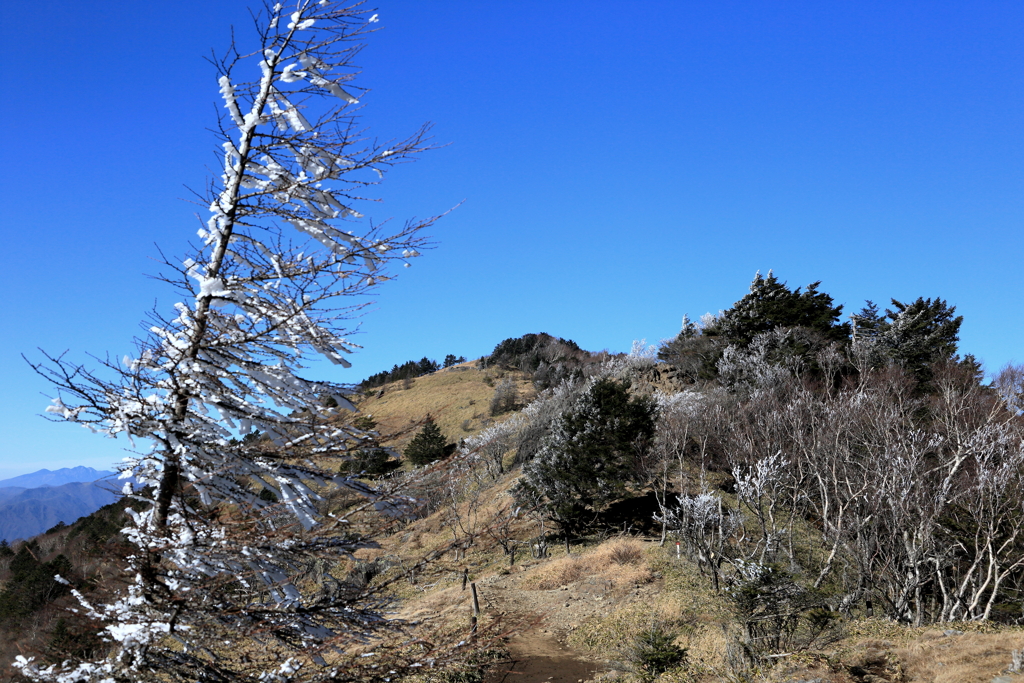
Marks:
<point>476,611</point>
<point>465,577</point>
<point>721,538</point>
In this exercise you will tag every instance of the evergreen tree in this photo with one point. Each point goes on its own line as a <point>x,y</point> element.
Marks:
<point>913,335</point>
<point>407,370</point>
<point>428,445</point>
<point>868,322</point>
<point>451,360</point>
<point>771,304</point>
<point>31,584</point>
<point>369,462</point>
<point>589,457</point>
<point>526,353</point>
<point>921,332</point>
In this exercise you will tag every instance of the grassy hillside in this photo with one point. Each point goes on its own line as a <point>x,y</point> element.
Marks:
<point>587,614</point>
<point>458,398</point>
<point>755,592</point>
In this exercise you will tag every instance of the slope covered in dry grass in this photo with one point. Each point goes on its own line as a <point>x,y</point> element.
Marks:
<point>585,609</point>
<point>458,398</point>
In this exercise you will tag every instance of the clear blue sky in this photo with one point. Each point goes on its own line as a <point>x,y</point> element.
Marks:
<point>621,164</point>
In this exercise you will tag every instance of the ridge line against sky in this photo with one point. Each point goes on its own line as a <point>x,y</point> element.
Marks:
<point>617,168</point>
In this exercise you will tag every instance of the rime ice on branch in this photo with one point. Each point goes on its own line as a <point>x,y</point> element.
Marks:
<point>265,290</point>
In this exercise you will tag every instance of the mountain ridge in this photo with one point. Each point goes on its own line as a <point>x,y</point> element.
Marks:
<point>35,502</point>
<point>45,477</point>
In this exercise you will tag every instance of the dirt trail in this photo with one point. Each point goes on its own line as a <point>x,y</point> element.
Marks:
<point>540,653</point>
<point>539,658</point>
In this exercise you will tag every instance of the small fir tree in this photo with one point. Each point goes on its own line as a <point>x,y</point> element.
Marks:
<point>427,446</point>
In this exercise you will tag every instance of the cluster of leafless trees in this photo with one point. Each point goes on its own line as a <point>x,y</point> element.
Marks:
<point>878,494</point>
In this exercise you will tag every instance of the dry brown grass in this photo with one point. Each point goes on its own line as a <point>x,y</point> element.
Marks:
<point>623,551</point>
<point>454,397</point>
<point>439,602</point>
<point>684,600</point>
<point>622,561</point>
<point>968,658</point>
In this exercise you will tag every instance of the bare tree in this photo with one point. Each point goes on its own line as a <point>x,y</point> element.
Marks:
<point>495,442</point>
<point>506,397</point>
<point>915,494</point>
<point>1010,385</point>
<point>707,527</point>
<point>218,592</point>
<point>502,528</point>
<point>679,415</point>
<point>466,478</point>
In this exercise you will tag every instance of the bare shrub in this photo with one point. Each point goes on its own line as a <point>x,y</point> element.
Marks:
<point>506,397</point>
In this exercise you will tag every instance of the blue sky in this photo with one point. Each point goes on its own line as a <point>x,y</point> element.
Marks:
<point>618,165</point>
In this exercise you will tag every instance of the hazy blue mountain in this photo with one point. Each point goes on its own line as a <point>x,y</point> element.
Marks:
<point>59,477</point>
<point>10,491</point>
<point>25,512</point>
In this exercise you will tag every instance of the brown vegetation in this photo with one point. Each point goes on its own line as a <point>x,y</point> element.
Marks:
<point>458,398</point>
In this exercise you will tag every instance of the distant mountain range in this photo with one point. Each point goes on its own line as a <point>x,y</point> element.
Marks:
<point>55,478</point>
<point>32,503</point>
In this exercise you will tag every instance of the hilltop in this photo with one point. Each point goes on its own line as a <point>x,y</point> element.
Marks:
<point>458,398</point>
<point>725,513</point>
<point>65,475</point>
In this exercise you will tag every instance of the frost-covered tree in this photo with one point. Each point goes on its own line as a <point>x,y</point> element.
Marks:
<point>1009,384</point>
<point>591,453</point>
<point>221,587</point>
<point>920,333</point>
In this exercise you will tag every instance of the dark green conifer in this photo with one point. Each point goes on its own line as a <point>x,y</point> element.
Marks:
<point>771,304</point>
<point>591,455</point>
<point>427,446</point>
